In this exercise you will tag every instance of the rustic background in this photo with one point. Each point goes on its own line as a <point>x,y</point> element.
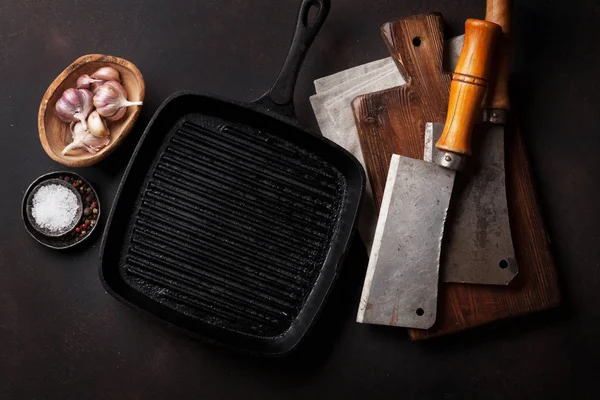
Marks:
<point>62,336</point>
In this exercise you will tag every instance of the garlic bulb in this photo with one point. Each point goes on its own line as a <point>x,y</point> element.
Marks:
<point>97,126</point>
<point>83,139</point>
<point>84,81</point>
<point>74,105</point>
<point>107,74</point>
<point>110,101</point>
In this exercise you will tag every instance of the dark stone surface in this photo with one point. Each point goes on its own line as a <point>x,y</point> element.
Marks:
<point>63,337</point>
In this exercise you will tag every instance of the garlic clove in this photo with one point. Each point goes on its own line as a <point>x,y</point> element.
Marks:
<point>107,74</point>
<point>87,101</point>
<point>87,106</point>
<point>83,139</point>
<point>84,81</point>
<point>72,126</point>
<point>97,126</point>
<point>78,132</point>
<point>94,143</point>
<point>110,101</point>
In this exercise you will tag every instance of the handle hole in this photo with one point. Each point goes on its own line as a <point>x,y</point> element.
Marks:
<point>420,312</point>
<point>310,16</point>
<point>503,264</point>
<point>417,41</point>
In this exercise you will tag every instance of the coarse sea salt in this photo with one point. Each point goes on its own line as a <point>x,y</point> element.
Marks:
<point>54,207</point>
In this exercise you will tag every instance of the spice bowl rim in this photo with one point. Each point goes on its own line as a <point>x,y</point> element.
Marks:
<point>29,225</point>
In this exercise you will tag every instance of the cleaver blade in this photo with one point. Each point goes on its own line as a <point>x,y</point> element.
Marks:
<point>401,284</point>
<point>478,247</point>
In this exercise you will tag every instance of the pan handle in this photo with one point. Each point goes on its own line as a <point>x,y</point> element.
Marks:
<point>280,98</point>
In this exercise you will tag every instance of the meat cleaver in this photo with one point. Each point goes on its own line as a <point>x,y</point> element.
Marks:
<point>401,283</point>
<point>478,246</point>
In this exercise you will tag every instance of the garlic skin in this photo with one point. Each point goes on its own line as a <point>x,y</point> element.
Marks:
<point>77,129</point>
<point>120,114</point>
<point>68,105</point>
<point>84,81</point>
<point>83,139</point>
<point>75,105</point>
<point>75,125</point>
<point>110,101</point>
<point>97,126</point>
<point>94,144</point>
<point>103,75</point>
<point>107,74</point>
<point>94,86</point>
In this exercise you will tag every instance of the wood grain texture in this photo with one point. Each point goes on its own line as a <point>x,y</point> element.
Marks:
<point>469,83</point>
<point>392,122</point>
<point>498,11</point>
<point>55,134</point>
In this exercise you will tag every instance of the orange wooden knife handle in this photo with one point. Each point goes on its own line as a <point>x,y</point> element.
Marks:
<point>498,12</point>
<point>468,86</point>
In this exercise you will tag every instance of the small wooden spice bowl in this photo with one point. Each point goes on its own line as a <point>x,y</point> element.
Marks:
<point>55,134</point>
<point>73,237</point>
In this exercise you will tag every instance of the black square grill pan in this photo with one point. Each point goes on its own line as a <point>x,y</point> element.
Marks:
<point>231,221</point>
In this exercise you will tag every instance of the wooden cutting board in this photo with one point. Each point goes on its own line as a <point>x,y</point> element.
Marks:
<point>392,121</point>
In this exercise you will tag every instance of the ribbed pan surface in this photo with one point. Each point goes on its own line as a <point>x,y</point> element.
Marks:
<point>233,227</point>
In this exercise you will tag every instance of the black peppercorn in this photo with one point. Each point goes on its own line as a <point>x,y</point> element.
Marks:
<point>87,211</point>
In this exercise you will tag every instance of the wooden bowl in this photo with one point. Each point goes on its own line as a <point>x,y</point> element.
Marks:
<point>55,134</point>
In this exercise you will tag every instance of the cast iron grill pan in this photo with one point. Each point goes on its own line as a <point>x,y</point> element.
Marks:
<point>231,221</point>
<point>233,227</point>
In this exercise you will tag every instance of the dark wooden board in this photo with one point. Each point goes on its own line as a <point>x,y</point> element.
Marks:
<point>392,121</point>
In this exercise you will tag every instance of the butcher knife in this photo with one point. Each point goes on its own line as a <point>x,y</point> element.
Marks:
<point>478,247</point>
<point>401,283</point>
